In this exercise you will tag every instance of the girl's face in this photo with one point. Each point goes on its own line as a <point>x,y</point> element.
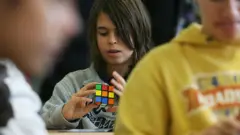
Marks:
<point>35,31</point>
<point>221,18</point>
<point>112,48</point>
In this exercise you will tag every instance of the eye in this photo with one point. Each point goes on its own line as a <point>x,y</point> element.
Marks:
<point>103,33</point>
<point>216,0</point>
<point>221,1</point>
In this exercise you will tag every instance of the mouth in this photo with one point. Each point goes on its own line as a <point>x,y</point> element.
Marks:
<point>227,24</point>
<point>113,52</point>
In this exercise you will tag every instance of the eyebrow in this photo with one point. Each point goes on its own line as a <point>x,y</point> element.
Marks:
<point>104,28</point>
<point>101,28</point>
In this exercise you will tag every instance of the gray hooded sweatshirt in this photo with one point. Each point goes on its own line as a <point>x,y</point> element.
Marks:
<point>98,118</point>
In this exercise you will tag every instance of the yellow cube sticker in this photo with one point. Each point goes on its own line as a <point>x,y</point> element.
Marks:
<point>99,93</point>
<point>111,95</point>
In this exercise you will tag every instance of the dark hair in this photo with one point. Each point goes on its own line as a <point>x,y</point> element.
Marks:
<point>131,20</point>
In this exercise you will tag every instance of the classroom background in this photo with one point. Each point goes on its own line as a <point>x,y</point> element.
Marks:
<point>168,17</point>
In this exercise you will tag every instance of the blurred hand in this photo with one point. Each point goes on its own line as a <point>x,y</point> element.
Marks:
<point>224,127</point>
<point>77,106</point>
<point>119,82</point>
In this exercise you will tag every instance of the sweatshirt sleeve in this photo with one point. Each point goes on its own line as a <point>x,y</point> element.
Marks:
<point>143,107</point>
<point>52,109</point>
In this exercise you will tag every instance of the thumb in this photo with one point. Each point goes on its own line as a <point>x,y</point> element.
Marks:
<point>112,109</point>
<point>90,107</point>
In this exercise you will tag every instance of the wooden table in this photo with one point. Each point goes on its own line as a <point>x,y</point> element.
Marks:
<point>55,132</point>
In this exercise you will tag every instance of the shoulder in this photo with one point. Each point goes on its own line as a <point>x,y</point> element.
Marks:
<point>160,61</point>
<point>165,51</point>
<point>79,78</point>
<point>163,55</point>
<point>84,74</point>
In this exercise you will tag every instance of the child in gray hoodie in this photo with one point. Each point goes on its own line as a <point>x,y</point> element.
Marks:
<point>120,35</point>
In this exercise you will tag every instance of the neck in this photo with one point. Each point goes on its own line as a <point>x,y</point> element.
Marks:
<point>122,69</point>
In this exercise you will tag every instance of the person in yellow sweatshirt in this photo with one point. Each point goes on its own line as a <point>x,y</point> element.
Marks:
<point>190,85</point>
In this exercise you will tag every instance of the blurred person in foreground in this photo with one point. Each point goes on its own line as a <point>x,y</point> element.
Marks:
<point>33,33</point>
<point>191,85</point>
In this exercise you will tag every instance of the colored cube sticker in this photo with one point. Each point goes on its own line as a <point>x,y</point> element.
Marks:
<point>104,95</point>
<point>98,93</point>
<point>105,100</point>
<point>111,88</point>
<point>98,99</point>
<point>111,101</point>
<point>111,95</point>
<point>104,87</point>
<point>98,87</point>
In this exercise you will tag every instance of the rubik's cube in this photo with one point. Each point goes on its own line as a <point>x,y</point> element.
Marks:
<point>104,95</point>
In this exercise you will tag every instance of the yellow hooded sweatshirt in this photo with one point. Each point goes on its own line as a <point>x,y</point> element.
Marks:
<point>182,87</point>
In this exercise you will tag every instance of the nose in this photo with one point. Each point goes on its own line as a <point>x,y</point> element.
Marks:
<point>112,39</point>
<point>231,9</point>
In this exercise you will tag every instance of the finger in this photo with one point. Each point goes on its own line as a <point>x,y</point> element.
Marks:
<point>91,85</point>
<point>90,107</point>
<point>221,130</point>
<point>112,109</point>
<point>85,93</point>
<point>232,123</point>
<point>94,106</point>
<point>119,78</point>
<point>85,110</point>
<point>238,117</point>
<point>117,85</point>
<point>85,102</point>
<point>229,126</point>
<point>110,106</point>
<point>80,100</point>
<point>77,99</point>
<point>119,93</point>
